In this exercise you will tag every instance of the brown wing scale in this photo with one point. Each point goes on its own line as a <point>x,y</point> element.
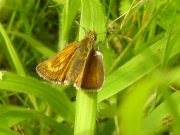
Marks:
<point>54,68</point>
<point>93,76</point>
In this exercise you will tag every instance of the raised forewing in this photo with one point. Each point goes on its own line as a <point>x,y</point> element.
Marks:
<point>54,68</point>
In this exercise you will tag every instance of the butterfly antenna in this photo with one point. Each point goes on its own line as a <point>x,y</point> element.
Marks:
<point>81,26</point>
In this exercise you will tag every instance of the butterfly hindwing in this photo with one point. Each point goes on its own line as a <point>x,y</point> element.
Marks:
<point>93,76</point>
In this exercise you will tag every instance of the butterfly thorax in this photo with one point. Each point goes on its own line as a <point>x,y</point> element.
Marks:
<point>78,61</point>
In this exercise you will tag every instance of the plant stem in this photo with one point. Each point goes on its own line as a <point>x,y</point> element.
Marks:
<point>86,105</point>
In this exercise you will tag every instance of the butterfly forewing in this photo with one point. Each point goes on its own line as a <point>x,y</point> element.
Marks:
<point>93,76</point>
<point>55,68</point>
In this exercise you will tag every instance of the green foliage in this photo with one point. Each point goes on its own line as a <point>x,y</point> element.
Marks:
<point>141,50</point>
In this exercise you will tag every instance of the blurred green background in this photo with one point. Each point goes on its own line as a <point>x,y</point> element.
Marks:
<point>140,43</point>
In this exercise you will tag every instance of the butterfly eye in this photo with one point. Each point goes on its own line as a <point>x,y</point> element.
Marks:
<point>91,35</point>
<point>95,37</point>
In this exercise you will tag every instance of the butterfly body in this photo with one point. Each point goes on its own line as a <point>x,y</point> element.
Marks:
<point>78,63</point>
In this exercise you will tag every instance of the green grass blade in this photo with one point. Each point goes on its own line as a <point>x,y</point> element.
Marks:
<point>168,47</point>
<point>56,99</point>
<point>132,107</point>
<point>5,131</point>
<point>37,45</point>
<point>136,68</point>
<point>92,18</point>
<point>11,53</point>
<point>11,115</point>
<point>70,10</point>
<point>14,59</point>
<point>153,123</point>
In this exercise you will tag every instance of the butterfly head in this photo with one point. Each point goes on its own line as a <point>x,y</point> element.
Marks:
<point>91,35</point>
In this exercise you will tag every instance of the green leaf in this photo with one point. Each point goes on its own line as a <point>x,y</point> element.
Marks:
<point>167,15</point>
<point>37,45</point>
<point>70,10</point>
<point>11,53</point>
<point>153,123</point>
<point>132,107</point>
<point>5,131</point>
<point>92,18</point>
<point>56,99</point>
<point>136,68</point>
<point>10,115</point>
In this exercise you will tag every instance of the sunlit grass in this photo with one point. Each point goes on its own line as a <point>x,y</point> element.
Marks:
<point>141,57</point>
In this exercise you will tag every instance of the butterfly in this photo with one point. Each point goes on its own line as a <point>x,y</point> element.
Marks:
<point>79,63</point>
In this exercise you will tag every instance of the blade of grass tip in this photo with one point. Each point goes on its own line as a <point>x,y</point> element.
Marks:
<point>117,62</point>
<point>12,19</point>
<point>130,11</point>
<point>14,59</point>
<point>92,18</point>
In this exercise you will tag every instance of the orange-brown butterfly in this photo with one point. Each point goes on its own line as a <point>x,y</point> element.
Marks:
<point>79,63</point>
